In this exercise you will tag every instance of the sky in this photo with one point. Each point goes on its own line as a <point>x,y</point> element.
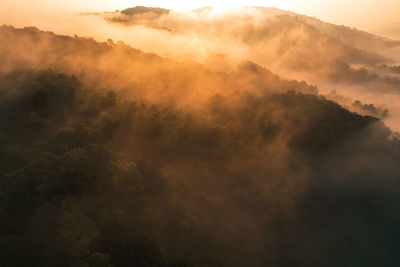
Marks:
<point>354,12</point>
<point>363,14</point>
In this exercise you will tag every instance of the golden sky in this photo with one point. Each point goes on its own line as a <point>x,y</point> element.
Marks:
<point>357,13</point>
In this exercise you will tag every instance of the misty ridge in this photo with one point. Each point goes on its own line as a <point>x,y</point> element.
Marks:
<point>256,144</point>
<point>273,38</point>
<point>355,64</point>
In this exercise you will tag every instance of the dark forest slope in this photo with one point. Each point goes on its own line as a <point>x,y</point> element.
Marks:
<point>96,170</point>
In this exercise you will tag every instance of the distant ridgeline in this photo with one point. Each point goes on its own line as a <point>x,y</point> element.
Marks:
<point>113,157</point>
<point>141,10</point>
<point>271,37</point>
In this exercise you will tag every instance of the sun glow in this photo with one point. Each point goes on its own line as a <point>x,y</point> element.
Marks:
<point>219,5</point>
<point>344,12</point>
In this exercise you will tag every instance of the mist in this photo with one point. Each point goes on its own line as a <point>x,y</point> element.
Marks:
<point>348,62</point>
<point>210,137</point>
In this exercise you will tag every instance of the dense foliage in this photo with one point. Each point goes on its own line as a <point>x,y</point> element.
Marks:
<point>91,178</point>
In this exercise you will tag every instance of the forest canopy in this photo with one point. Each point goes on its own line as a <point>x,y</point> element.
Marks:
<point>113,157</point>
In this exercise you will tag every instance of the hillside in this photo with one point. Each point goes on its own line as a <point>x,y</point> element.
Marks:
<point>277,39</point>
<point>119,66</point>
<point>346,64</point>
<point>115,157</point>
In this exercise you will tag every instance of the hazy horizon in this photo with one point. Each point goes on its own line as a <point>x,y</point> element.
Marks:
<point>379,17</point>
